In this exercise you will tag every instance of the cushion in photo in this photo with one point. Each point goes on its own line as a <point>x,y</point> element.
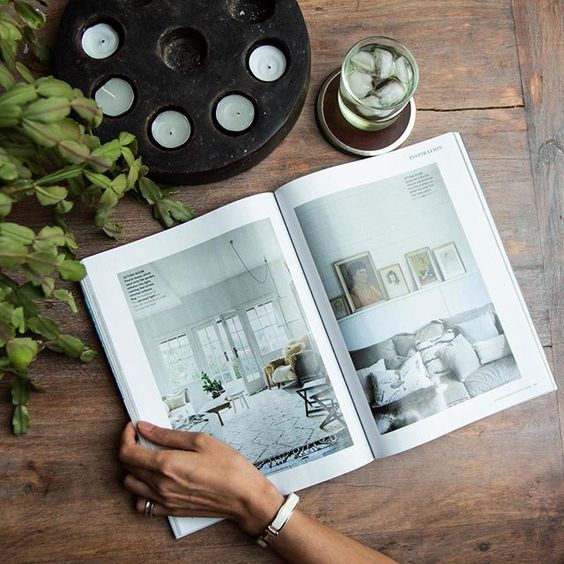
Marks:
<point>173,402</point>
<point>385,349</point>
<point>392,385</point>
<point>460,357</point>
<point>479,328</point>
<point>365,379</point>
<point>395,362</point>
<point>405,343</point>
<point>492,349</point>
<point>432,330</point>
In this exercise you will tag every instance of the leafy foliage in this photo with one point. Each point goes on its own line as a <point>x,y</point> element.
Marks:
<point>50,154</point>
<point>213,387</point>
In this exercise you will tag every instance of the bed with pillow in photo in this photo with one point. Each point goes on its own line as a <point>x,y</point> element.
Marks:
<point>413,375</point>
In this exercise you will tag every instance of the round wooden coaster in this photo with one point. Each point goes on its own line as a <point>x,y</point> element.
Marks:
<point>340,133</point>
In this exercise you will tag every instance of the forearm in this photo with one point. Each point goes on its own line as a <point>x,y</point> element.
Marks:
<point>307,541</point>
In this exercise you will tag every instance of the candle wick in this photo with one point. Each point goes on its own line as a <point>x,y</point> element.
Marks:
<point>108,92</point>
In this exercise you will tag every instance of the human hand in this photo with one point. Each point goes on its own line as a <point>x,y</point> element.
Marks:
<point>196,476</point>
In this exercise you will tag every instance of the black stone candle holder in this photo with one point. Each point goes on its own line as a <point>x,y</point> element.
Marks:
<point>186,56</point>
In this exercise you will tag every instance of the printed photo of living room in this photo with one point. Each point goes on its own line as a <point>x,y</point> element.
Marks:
<point>231,352</point>
<point>410,301</point>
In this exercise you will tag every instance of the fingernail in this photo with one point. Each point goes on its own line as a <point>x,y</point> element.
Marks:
<point>145,427</point>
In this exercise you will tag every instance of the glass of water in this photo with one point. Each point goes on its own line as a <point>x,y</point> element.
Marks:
<point>378,78</point>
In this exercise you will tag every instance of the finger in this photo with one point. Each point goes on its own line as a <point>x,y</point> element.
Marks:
<point>150,478</point>
<point>160,510</point>
<point>140,488</point>
<point>133,454</point>
<point>184,440</point>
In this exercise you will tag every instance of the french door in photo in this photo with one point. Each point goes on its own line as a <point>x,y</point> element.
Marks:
<point>244,358</point>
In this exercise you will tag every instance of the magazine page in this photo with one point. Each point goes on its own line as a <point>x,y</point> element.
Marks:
<point>416,292</point>
<point>211,327</point>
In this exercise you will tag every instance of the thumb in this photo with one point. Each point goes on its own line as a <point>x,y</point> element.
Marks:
<point>167,437</point>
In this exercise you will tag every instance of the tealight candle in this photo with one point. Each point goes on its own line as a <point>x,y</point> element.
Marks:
<point>115,97</point>
<point>171,129</point>
<point>267,63</point>
<point>100,41</point>
<point>235,113</point>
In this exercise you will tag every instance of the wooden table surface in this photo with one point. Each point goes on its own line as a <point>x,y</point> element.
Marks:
<point>490,492</point>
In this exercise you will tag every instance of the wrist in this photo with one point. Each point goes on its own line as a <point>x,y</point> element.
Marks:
<point>259,508</point>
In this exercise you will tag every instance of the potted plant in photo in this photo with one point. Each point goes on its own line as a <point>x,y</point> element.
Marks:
<point>212,387</point>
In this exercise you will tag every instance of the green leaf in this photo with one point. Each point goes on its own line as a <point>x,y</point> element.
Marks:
<point>72,270</point>
<point>22,351</point>
<point>41,262</point>
<point>113,230</point>
<point>87,356</point>
<point>68,345</point>
<point>66,297</point>
<point>12,253</point>
<point>64,174</point>
<point>48,110</point>
<point>108,199</point>
<point>44,326</point>
<point>88,110</point>
<point>149,190</point>
<point>21,392</point>
<point>50,195</point>
<point>98,179</point>
<point>32,17</point>
<point>5,205</point>
<point>18,319</point>
<point>25,73</point>
<point>17,233</point>
<point>126,138</point>
<point>50,87</point>
<point>50,237</point>
<point>74,152</point>
<point>119,184</point>
<point>168,212</point>
<point>6,78</point>
<point>20,420</point>
<point>48,285</point>
<point>20,95</point>
<point>107,155</point>
<point>10,115</point>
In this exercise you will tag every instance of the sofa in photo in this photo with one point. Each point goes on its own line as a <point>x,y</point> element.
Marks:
<point>413,375</point>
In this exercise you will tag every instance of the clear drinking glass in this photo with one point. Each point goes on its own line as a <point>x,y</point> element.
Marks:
<point>378,78</point>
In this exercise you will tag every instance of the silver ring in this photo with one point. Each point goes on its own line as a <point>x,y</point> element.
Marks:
<point>149,506</point>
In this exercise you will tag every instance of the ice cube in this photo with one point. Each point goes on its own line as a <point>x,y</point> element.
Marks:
<point>372,107</point>
<point>372,101</point>
<point>383,63</point>
<point>360,83</point>
<point>363,61</point>
<point>404,71</point>
<point>390,92</point>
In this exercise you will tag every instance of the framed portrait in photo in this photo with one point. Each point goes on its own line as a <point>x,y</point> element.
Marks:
<point>340,307</point>
<point>449,260</point>
<point>423,267</point>
<point>394,281</point>
<point>359,281</point>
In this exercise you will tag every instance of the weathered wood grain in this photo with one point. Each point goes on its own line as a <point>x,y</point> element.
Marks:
<point>490,492</point>
<point>543,83</point>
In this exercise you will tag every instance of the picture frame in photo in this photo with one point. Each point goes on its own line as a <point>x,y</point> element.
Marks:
<point>423,268</point>
<point>449,260</point>
<point>340,307</point>
<point>394,281</point>
<point>360,282</point>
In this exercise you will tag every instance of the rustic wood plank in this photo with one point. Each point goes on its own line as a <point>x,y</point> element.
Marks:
<point>540,55</point>
<point>489,492</point>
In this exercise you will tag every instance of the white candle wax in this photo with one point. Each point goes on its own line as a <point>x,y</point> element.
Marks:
<point>115,97</point>
<point>235,113</point>
<point>100,41</point>
<point>171,129</point>
<point>267,63</point>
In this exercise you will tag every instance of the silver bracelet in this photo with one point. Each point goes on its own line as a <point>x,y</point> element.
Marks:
<point>281,518</point>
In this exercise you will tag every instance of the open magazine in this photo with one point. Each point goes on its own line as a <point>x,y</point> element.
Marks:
<point>355,313</point>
